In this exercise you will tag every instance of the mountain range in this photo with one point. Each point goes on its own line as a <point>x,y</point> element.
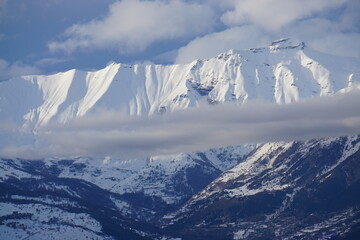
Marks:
<point>279,190</point>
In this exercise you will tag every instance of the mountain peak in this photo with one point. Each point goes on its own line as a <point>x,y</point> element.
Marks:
<point>281,44</point>
<point>286,43</point>
<point>226,55</point>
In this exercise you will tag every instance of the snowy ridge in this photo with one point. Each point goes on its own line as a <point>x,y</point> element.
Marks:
<point>284,72</point>
<point>280,180</point>
<point>158,176</point>
<point>152,176</point>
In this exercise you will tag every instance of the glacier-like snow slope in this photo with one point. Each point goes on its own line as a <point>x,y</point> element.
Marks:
<point>284,72</point>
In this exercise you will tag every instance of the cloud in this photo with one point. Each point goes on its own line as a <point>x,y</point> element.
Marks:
<point>10,70</point>
<point>133,25</point>
<point>349,20</point>
<point>338,34</point>
<point>313,22</point>
<point>274,14</point>
<point>326,36</point>
<point>112,134</point>
<point>244,37</point>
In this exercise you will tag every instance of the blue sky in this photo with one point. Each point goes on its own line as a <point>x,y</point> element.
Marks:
<point>47,36</point>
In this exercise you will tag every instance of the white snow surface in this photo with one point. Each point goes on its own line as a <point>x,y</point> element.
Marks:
<point>284,72</point>
<point>45,222</point>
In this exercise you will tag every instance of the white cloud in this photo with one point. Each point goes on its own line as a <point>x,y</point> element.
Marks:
<point>10,70</point>
<point>196,129</point>
<point>274,14</point>
<point>338,44</point>
<point>239,38</point>
<point>310,21</point>
<point>132,25</point>
<point>326,36</point>
<point>350,19</point>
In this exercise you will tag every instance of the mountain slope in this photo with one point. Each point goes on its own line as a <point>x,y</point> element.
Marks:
<point>284,72</point>
<point>286,190</point>
<point>158,184</point>
<point>39,205</point>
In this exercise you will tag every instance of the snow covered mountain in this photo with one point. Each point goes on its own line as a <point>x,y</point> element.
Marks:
<point>284,72</point>
<point>186,195</point>
<point>284,190</point>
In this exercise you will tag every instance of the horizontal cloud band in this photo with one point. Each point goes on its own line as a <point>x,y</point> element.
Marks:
<point>108,133</point>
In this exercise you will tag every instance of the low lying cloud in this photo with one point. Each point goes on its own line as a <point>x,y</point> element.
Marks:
<point>112,134</point>
<point>132,25</point>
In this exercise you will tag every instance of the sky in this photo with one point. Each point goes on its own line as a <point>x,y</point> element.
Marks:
<point>49,36</point>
